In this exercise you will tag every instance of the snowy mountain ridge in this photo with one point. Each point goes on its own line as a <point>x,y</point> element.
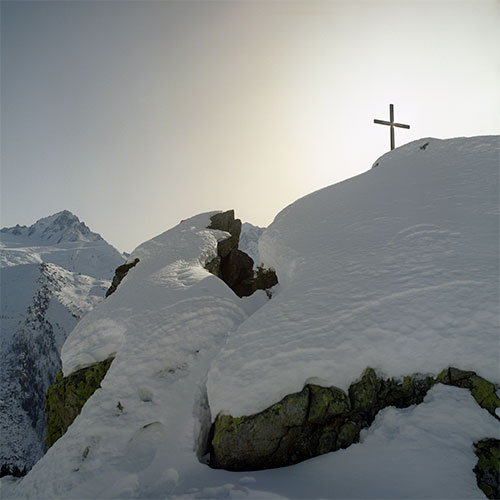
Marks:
<point>63,240</point>
<point>60,227</point>
<point>395,269</point>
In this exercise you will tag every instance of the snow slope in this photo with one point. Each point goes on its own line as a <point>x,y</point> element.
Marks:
<point>400,260</point>
<point>396,269</point>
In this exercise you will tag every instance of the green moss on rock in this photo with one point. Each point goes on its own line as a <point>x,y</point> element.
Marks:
<point>303,425</point>
<point>487,469</point>
<point>326,403</point>
<point>67,395</point>
<point>483,391</point>
<point>323,419</point>
<point>349,434</point>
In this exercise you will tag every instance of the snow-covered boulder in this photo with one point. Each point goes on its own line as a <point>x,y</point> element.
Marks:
<point>395,269</point>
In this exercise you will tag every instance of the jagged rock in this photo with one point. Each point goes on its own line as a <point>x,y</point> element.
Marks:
<point>314,421</point>
<point>237,271</point>
<point>487,469</point>
<point>483,392</point>
<point>225,221</point>
<point>120,273</point>
<point>67,395</point>
<point>232,265</point>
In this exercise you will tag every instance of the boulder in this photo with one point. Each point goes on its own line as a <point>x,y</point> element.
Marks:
<point>314,421</point>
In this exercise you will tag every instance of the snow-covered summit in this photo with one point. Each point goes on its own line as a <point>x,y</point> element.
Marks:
<point>60,227</point>
<point>60,239</point>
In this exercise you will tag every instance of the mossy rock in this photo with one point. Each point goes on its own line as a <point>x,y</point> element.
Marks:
<point>487,469</point>
<point>364,395</point>
<point>257,441</point>
<point>326,403</point>
<point>67,395</point>
<point>349,434</point>
<point>483,391</point>
<point>303,425</point>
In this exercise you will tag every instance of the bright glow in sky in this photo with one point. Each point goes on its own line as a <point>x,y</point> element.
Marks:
<point>135,115</point>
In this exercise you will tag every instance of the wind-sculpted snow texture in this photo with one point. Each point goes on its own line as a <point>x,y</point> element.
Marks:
<point>396,269</point>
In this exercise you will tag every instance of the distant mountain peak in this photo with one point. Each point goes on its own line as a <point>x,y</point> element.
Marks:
<point>60,227</point>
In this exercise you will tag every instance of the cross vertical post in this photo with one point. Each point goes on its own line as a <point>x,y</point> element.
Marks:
<point>391,124</point>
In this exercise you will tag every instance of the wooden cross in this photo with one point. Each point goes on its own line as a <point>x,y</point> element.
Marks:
<point>391,124</point>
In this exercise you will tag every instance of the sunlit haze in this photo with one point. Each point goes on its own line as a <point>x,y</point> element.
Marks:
<point>135,115</point>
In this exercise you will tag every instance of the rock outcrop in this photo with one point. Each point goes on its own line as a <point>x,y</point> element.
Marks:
<point>319,420</point>
<point>67,395</point>
<point>120,273</point>
<point>487,469</point>
<point>314,421</point>
<point>233,266</point>
<point>482,390</point>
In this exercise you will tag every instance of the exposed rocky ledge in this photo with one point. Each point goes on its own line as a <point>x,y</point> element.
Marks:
<point>67,395</point>
<point>318,419</point>
<point>233,266</point>
<point>120,273</point>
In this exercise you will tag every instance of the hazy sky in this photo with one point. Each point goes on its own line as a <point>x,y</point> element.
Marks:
<point>135,115</point>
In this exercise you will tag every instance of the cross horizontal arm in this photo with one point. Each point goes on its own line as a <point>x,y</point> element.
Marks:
<point>400,125</point>
<point>382,122</point>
